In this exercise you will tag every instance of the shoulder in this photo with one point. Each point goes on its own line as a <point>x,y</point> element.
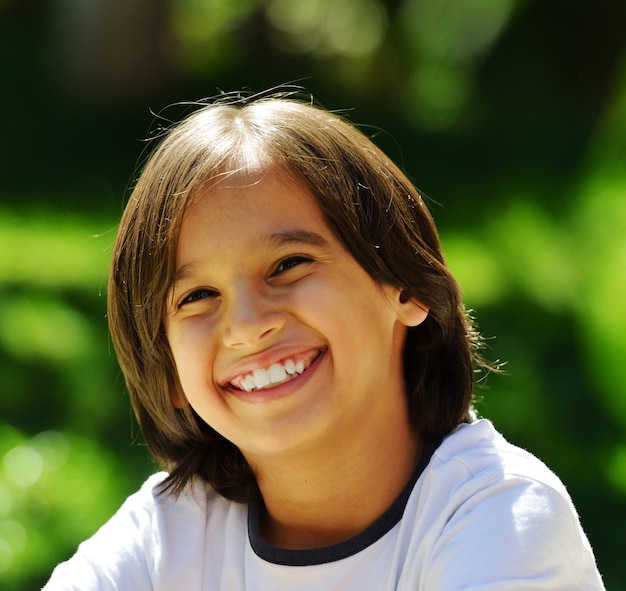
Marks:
<point>152,499</point>
<point>165,512</point>
<point>482,473</point>
<point>498,514</point>
<point>147,536</point>
<point>483,455</point>
<point>149,509</point>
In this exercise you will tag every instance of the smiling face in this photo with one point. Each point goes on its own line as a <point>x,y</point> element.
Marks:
<point>282,342</point>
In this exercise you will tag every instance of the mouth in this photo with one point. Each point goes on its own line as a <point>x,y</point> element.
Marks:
<point>286,370</point>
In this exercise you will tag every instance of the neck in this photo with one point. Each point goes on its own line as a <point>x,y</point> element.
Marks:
<point>329,497</point>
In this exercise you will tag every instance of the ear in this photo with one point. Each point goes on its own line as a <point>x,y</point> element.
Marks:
<point>411,311</point>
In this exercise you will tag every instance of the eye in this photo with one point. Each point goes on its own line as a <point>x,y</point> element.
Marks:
<point>290,263</point>
<point>197,295</point>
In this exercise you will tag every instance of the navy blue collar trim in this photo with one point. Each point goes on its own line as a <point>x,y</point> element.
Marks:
<point>342,550</point>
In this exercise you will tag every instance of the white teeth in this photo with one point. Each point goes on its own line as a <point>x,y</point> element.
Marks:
<point>275,374</point>
<point>261,377</point>
<point>249,383</point>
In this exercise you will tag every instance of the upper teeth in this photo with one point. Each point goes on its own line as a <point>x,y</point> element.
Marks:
<point>274,374</point>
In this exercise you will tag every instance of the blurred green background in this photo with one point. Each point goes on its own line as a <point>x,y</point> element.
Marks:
<point>510,114</point>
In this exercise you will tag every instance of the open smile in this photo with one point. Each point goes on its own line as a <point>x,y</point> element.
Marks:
<point>276,374</point>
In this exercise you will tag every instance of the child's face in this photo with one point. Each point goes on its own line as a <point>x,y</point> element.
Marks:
<point>282,342</point>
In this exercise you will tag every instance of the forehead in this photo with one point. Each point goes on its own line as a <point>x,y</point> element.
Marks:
<point>243,212</point>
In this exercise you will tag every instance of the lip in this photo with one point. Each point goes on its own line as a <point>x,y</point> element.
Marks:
<point>280,390</point>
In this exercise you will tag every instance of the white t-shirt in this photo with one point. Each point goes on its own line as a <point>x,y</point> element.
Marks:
<point>480,514</point>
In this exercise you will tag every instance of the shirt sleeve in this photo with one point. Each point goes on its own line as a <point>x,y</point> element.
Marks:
<point>515,534</point>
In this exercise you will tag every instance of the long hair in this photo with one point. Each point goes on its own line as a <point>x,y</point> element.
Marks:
<point>369,205</point>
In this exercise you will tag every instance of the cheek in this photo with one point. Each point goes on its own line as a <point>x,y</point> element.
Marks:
<point>192,352</point>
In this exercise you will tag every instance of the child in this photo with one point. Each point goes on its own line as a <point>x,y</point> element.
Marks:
<point>300,361</point>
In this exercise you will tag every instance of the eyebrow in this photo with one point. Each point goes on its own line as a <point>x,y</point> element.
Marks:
<point>296,237</point>
<point>276,240</point>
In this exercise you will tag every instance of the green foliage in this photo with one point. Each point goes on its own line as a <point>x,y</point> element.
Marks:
<point>55,252</point>
<point>71,464</point>
<point>55,488</point>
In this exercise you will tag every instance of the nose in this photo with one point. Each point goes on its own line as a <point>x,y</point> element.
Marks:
<point>251,316</point>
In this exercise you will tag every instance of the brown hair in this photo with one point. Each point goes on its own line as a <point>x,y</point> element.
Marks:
<point>368,203</point>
